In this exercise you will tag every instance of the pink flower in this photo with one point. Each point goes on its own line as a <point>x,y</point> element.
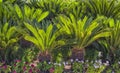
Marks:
<point>51,70</point>
<point>24,68</point>
<point>30,70</point>
<point>17,61</point>
<point>5,66</point>
<point>14,71</point>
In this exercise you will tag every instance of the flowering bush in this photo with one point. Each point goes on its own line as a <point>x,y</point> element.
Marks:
<point>52,67</point>
<point>4,68</point>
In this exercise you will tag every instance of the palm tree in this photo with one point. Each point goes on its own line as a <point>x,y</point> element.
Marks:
<point>7,38</point>
<point>114,39</point>
<point>108,8</point>
<point>45,40</point>
<point>29,14</point>
<point>7,13</point>
<point>77,8</point>
<point>83,33</point>
<point>54,7</point>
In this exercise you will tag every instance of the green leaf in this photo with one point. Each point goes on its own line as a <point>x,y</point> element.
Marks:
<point>36,34</point>
<point>0,1</point>
<point>27,11</point>
<point>32,39</point>
<point>5,27</point>
<point>10,32</point>
<point>18,11</point>
<point>37,13</point>
<point>111,23</point>
<point>99,35</point>
<point>42,16</point>
<point>11,41</point>
<point>48,34</point>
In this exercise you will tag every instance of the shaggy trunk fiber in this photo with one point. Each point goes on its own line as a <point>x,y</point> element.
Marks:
<point>44,56</point>
<point>78,53</point>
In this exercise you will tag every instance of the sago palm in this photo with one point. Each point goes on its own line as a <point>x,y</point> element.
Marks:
<point>7,38</point>
<point>108,8</point>
<point>83,32</point>
<point>45,40</point>
<point>77,8</point>
<point>54,7</point>
<point>114,39</point>
<point>29,14</point>
<point>7,13</point>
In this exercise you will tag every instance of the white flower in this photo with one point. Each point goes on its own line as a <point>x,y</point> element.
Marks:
<point>66,63</point>
<point>95,65</point>
<point>76,60</point>
<point>91,61</point>
<point>107,63</point>
<point>100,54</point>
<point>49,62</point>
<point>87,60</point>
<point>71,60</point>
<point>59,64</point>
<point>119,62</point>
<point>100,61</point>
<point>55,63</point>
<point>82,61</point>
<point>96,61</point>
<point>63,63</point>
<point>113,72</point>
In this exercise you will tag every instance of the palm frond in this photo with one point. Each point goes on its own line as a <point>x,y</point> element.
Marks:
<point>108,8</point>
<point>83,33</point>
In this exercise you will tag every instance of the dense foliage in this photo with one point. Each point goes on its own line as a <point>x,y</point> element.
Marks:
<point>55,36</point>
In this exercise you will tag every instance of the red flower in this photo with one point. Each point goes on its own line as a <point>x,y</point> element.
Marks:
<point>32,65</point>
<point>14,64</point>
<point>26,62</point>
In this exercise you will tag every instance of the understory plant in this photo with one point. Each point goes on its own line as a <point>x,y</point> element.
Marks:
<point>58,36</point>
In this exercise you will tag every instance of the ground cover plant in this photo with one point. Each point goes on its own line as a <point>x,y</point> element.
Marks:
<point>59,36</point>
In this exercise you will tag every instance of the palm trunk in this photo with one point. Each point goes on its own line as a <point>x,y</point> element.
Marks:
<point>78,53</point>
<point>112,55</point>
<point>44,56</point>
